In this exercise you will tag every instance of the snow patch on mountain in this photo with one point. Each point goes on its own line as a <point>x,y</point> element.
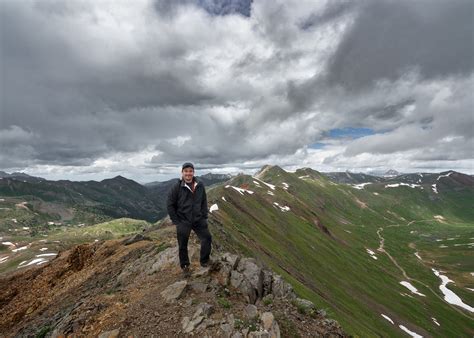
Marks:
<point>213,207</point>
<point>412,288</point>
<point>450,296</point>
<point>240,190</point>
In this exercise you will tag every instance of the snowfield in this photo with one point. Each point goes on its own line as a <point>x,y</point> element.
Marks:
<point>410,287</point>
<point>360,186</point>
<point>450,296</point>
<point>395,185</point>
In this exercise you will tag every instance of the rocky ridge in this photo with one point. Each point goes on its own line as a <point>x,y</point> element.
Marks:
<point>134,288</point>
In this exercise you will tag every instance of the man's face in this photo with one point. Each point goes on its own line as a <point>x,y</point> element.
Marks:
<point>188,174</point>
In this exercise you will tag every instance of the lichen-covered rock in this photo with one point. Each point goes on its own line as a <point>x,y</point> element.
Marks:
<point>267,282</point>
<point>198,286</point>
<point>226,329</point>
<point>203,309</point>
<point>168,258</point>
<point>190,324</point>
<point>253,273</point>
<point>232,259</point>
<point>228,262</point>
<point>250,311</point>
<point>332,327</point>
<point>270,324</point>
<point>236,279</point>
<point>164,259</point>
<point>249,292</point>
<point>174,291</point>
<point>304,305</point>
<point>282,289</point>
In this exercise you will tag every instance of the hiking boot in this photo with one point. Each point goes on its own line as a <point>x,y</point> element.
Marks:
<point>186,271</point>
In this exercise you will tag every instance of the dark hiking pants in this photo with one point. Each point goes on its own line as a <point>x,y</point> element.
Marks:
<point>183,231</point>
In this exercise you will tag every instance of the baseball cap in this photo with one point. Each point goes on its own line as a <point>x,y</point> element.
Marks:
<point>187,165</point>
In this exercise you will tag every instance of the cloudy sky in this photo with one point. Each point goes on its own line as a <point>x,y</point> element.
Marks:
<point>96,88</point>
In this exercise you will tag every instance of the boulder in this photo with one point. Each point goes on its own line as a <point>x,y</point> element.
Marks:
<point>227,329</point>
<point>253,273</point>
<point>231,259</point>
<point>190,324</point>
<point>250,311</point>
<point>282,289</point>
<point>223,274</point>
<point>270,324</point>
<point>198,286</point>
<point>203,309</point>
<point>236,279</point>
<point>304,305</point>
<point>174,291</point>
<point>168,258</point>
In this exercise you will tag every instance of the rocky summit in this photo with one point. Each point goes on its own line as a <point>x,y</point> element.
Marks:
<point>133,287</point>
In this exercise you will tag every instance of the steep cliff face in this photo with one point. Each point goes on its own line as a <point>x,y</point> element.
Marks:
<point>134,287</point>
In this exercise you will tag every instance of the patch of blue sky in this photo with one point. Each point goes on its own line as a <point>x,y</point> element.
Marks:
<point>350,132</point>
<point>317,145</point>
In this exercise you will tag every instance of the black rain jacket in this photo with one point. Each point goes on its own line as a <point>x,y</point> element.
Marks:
<point>184,206</point>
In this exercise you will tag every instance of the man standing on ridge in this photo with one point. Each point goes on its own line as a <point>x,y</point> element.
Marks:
<point>187,208</point>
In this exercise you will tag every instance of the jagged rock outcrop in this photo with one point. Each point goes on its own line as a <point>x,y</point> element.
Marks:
<point>253,286</point>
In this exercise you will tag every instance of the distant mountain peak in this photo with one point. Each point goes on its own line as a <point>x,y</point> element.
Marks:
<point>268,168</point>
<point>119,178</point>
<point>20,176</point>
<point>391,173</point>
<point>307,171</point>
<point>212,175</point>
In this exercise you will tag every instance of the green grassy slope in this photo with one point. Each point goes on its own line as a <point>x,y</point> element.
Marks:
<point>320,245</point>
<point>61,238</point>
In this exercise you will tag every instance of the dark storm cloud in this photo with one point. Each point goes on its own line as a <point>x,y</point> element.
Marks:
<point>331,11</point>
<point>77,105</point>
<point>389,37</point>
<point>214,7</point>
<point>53,68</point>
